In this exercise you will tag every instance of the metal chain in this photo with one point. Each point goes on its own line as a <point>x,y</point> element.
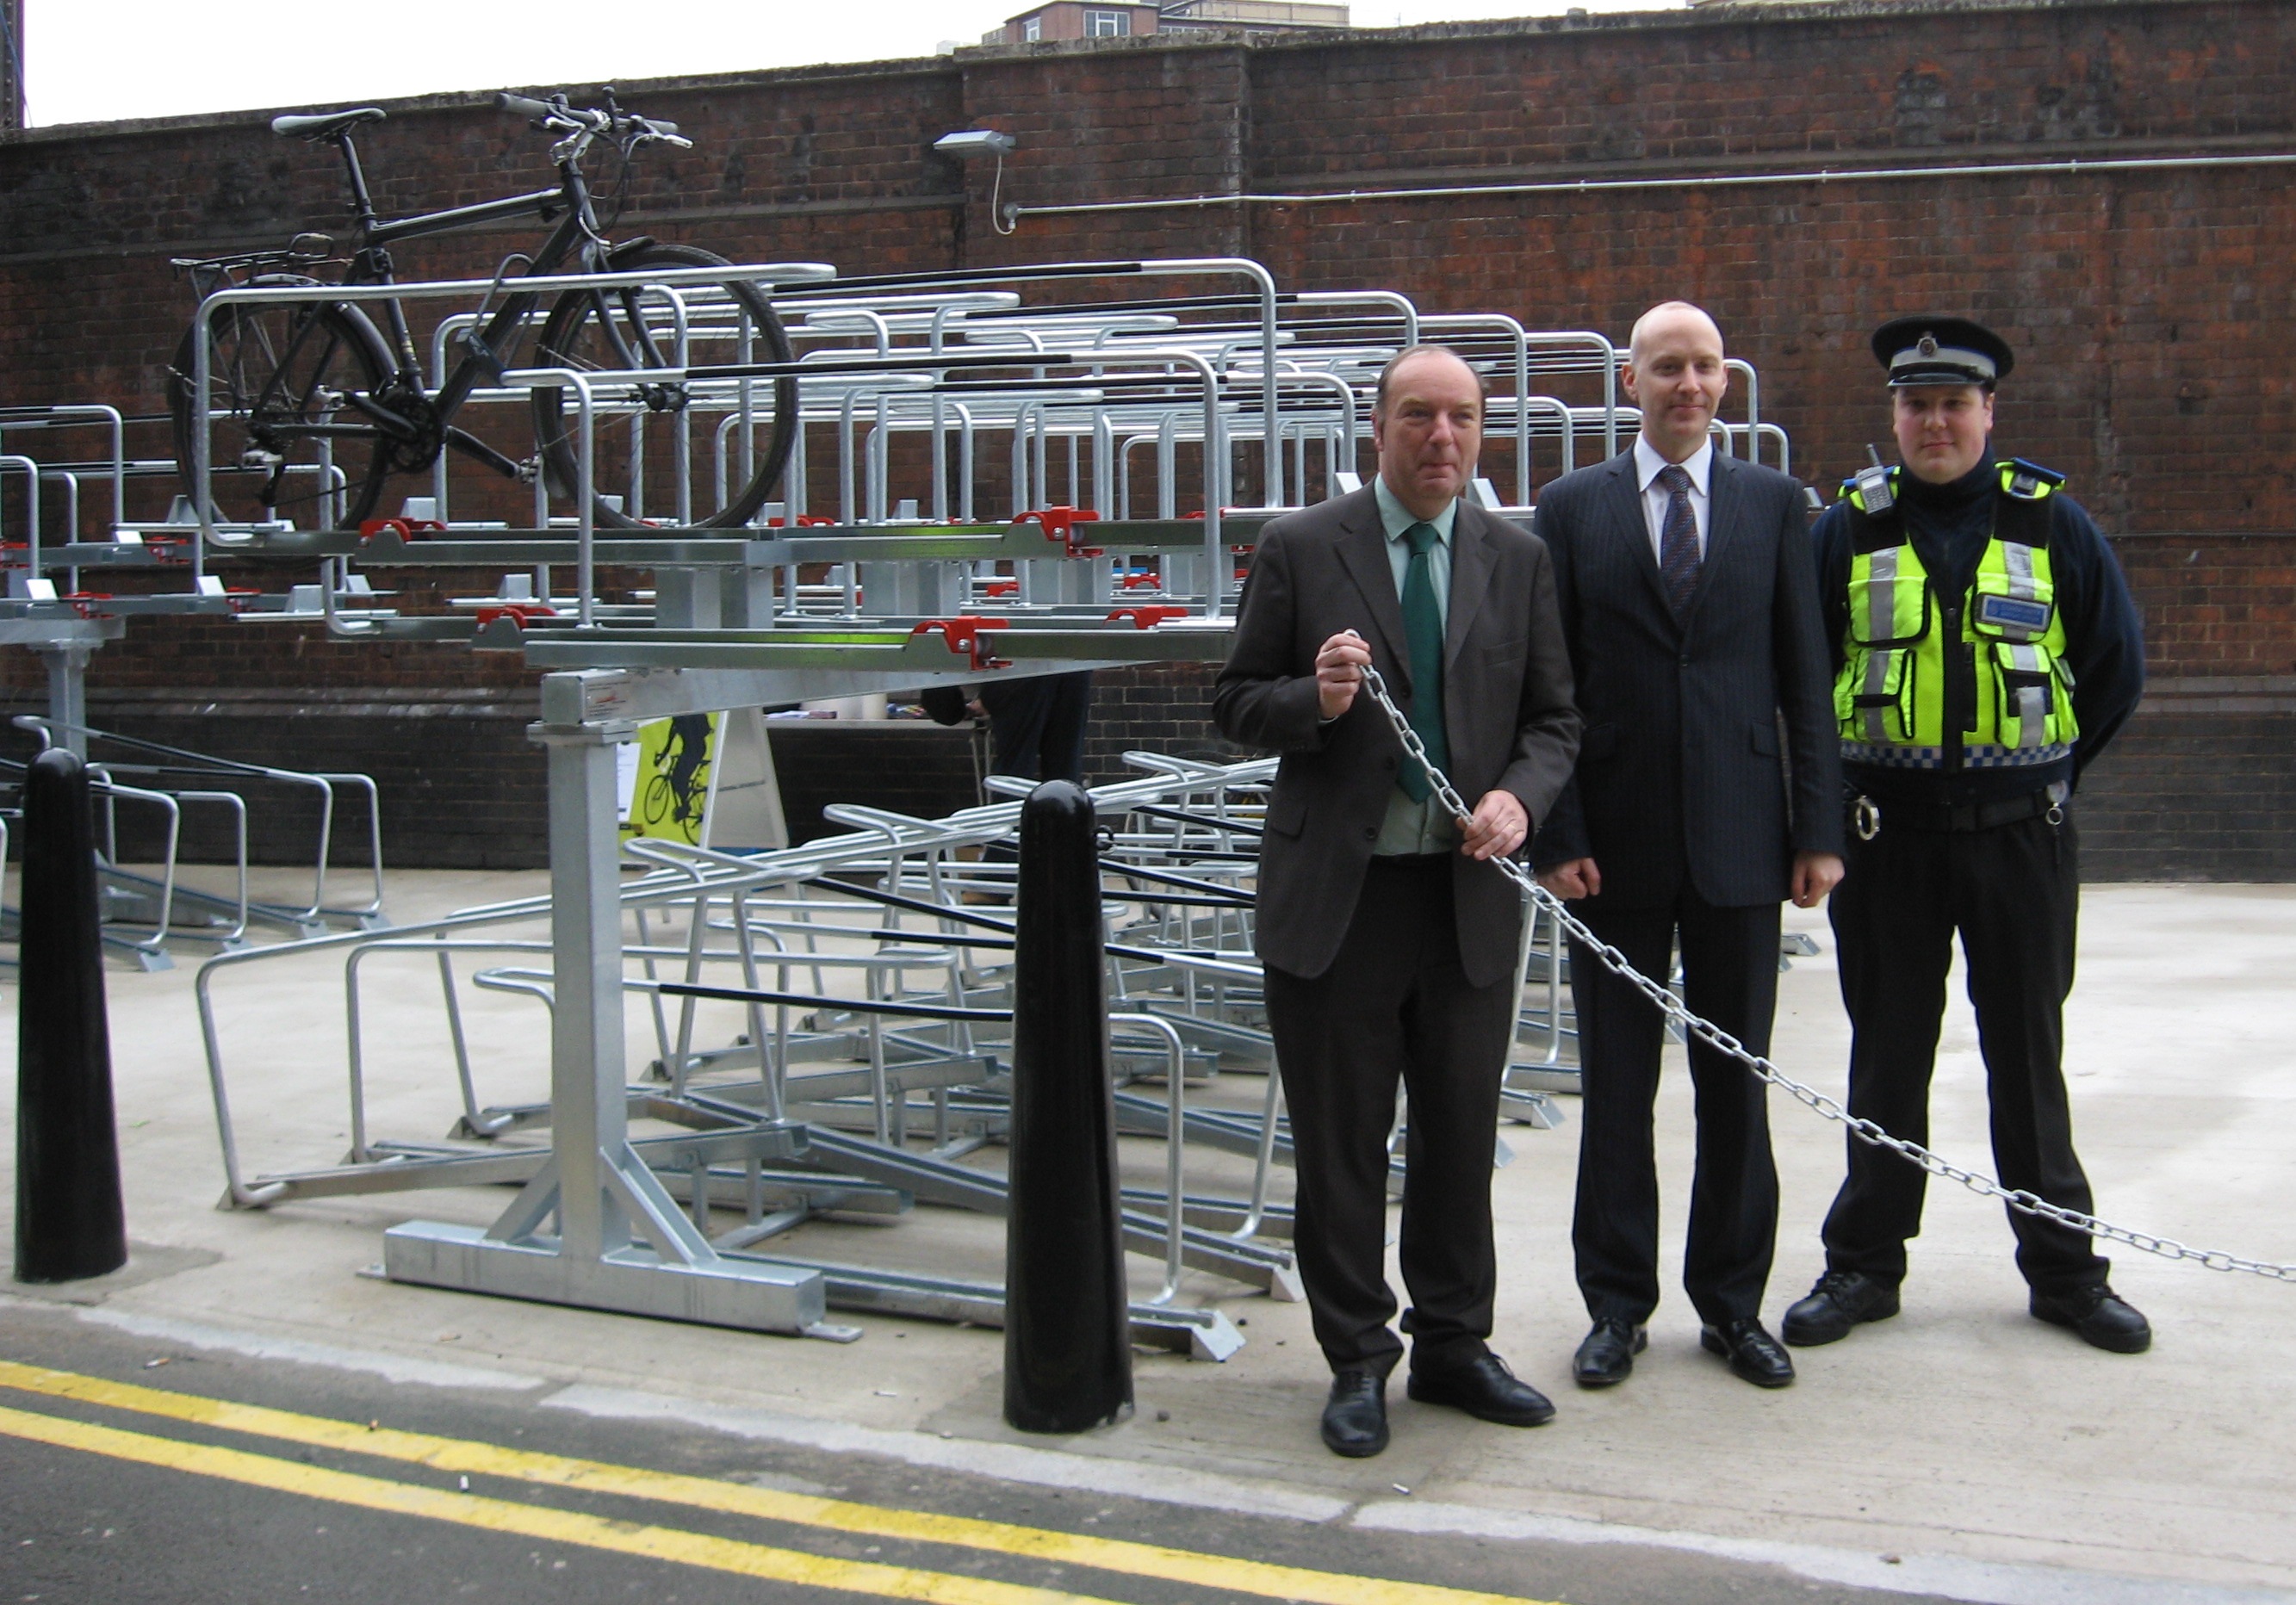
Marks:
<point>1864,1130</point>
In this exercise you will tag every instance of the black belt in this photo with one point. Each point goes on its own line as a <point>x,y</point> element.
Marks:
<point>1409,861</point>
<point>1968,817</point>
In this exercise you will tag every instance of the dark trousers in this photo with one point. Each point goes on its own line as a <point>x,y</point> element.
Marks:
<point>1395,1003</point>
<point>2014,893</point>
<point>1730,976</point>
<point>1037,725</point>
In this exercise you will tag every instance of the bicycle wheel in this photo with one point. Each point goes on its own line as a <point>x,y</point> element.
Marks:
<point>637,452</point>
<point>658,802</point>
<point>283,442</point>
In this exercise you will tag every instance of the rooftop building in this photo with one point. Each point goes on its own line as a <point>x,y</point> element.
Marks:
<point>1119,20</point>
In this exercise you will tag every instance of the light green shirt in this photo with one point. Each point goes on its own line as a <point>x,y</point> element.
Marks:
<point>1415,827</point>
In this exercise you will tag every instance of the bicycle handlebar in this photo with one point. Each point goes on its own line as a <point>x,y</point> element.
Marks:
<point>556,113</point>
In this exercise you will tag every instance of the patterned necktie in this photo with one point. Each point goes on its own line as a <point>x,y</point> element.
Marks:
<point>1678,544</point>
<point>1422,628</point>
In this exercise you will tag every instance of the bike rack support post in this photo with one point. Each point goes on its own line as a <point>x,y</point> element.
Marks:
<point>67,665</point>
<point>620,1241</point>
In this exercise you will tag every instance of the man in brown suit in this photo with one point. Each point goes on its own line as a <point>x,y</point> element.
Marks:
<point>1388,939</point>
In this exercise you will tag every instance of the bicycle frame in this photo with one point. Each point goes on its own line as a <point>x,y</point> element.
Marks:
<point>576,234</point>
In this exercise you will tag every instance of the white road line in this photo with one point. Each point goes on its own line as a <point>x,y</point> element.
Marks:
<point>1007,1463</point>
<point>1941,1576</point>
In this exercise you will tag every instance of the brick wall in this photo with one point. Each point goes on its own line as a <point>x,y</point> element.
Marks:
<point>1163,708</point>
<point>2214,604</point>
<point>2149,305</point>
<point>2198,787</point>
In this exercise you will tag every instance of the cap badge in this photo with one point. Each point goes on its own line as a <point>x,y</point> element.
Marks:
<point>1928,346</point>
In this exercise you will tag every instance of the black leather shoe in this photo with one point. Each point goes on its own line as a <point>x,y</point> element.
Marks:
<point>2099,1315</point>
<point>1752,1353</point>
<point>1840,1300</point>
<point>1355,1417</point>
<point>1607,1357</point>
<point>1486,1390</point>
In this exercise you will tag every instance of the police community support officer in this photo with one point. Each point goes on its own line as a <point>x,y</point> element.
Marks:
<point>1986,651</point>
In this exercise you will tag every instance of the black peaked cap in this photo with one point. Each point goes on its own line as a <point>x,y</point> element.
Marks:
<point>1930,348</point>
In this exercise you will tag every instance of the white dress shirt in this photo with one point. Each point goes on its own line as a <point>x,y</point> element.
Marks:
<point>1655,496</point>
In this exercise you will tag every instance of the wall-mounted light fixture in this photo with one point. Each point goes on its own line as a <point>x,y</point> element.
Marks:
<point>968,143</point>
<point>976,141</point>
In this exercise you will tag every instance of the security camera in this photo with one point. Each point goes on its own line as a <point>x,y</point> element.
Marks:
<point>976,141</point>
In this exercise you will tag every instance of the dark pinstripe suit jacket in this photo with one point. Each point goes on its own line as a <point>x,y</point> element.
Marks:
<point>1679,773</point>
<point>1506,706</point>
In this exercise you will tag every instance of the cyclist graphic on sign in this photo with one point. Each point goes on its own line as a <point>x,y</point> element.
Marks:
<point>673,779</point>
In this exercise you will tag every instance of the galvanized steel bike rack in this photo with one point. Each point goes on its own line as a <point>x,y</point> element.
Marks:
<point>962,359</point>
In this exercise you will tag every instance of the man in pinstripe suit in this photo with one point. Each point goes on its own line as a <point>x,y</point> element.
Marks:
<point>1689,603</point>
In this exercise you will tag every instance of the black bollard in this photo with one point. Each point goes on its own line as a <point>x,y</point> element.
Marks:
<point>69,1222</point>
<point>1068,1335</point>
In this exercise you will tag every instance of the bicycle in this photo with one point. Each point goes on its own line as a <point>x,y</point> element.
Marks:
<point>314,409</point>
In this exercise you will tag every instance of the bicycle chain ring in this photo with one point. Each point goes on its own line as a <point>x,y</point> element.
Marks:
<point>413,452</point>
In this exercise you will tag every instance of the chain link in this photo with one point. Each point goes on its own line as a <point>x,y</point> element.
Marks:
<point>1721,1041</point>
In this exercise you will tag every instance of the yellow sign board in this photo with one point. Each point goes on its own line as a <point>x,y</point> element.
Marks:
<point>669,787</point>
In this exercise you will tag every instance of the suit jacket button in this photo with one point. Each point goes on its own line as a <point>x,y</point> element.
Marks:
<point>1685,660</point>
<point>1371,833</point>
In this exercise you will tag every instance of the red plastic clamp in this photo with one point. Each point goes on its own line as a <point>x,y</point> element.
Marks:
<point>1001,587</point>
<point>406,529</point>
<point>520,613</point>
<point>1148,617</point>
<point>965,633</point>
<point>1060,525</point>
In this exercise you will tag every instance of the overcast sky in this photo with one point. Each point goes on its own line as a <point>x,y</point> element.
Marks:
<point>95,61</point>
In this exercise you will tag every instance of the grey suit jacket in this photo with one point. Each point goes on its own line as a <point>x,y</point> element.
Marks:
<point>1506,709</point>
<point>1679,774</point>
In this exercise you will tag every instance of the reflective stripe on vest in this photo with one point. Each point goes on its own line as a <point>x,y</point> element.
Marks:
<point>1891,696</point>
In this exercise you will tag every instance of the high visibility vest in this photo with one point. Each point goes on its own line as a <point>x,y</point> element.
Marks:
<point>2001,646</point>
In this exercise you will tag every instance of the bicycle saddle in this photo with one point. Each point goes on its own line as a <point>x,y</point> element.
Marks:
<point>324,124</point>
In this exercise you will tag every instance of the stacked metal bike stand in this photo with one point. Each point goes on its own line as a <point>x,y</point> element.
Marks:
<point>870,968</point>
<point>145,912</point>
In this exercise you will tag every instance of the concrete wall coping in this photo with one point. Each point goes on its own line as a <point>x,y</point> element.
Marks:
<point>1761,14</point>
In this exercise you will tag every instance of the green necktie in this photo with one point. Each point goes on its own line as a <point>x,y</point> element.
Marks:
<point>1422,628</point>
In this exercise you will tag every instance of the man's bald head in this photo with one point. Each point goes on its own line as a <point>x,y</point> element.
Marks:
<point>1666,318</point>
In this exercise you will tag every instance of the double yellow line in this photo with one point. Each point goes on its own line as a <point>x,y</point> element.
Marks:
<point>1221,1573</point>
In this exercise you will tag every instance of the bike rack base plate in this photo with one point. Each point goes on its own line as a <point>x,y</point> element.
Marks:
<point>749,1295</point>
